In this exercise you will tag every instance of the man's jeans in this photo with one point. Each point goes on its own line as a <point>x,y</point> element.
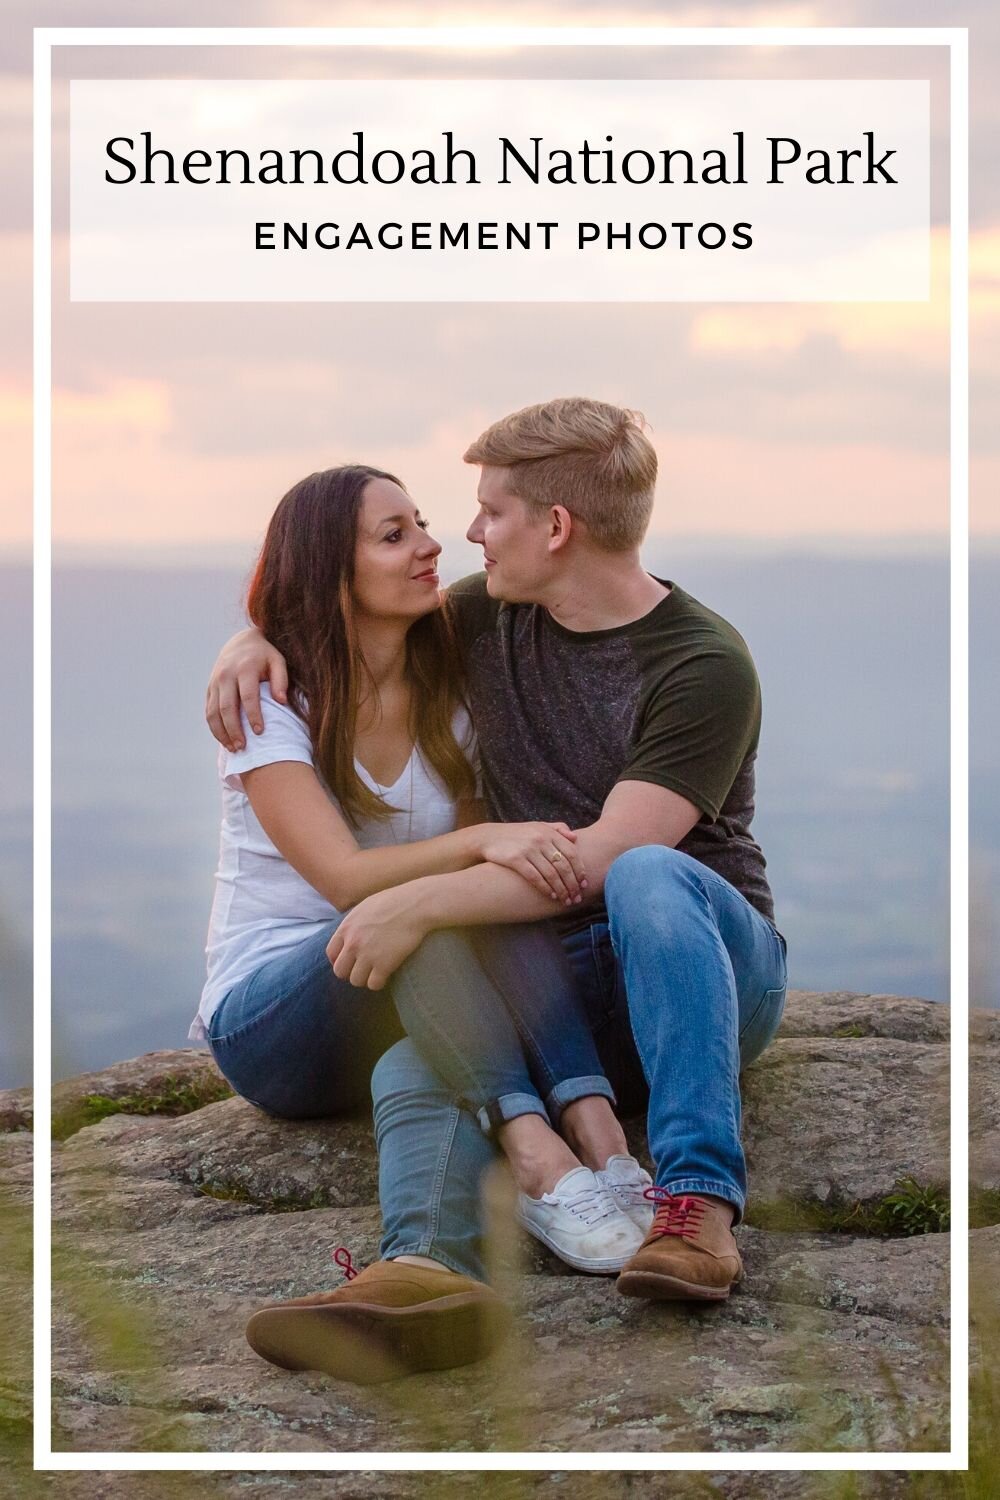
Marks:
<point>684,985</point>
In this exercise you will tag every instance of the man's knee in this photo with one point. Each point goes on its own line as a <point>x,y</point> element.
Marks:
<point>640,873</point>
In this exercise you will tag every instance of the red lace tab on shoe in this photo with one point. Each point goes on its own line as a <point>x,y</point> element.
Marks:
<point>343,1258</point>
<point>677,1214</point>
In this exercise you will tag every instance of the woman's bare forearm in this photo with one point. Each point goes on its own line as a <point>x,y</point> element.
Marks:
<point>634,814</point>
<point>299,819</point>
<point>485,894</point>
<point>384,930</point>
<point>490,893</point>
<point>369,870</point>
<point>374,939</point>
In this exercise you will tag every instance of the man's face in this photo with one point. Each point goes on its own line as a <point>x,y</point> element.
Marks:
<point>514,539</point>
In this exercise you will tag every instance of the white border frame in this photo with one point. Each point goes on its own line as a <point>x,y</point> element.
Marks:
<point>470,38</point>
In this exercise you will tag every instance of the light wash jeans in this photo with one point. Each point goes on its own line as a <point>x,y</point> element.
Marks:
<point>684,984</point>
<point>297,1041</point>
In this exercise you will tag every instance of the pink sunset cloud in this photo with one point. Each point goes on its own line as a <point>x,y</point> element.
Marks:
<point>182,425</point>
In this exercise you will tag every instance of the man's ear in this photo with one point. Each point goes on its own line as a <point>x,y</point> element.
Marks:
<point>560,527</point>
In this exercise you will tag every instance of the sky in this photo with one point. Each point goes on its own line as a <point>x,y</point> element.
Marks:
<point>178,427</point>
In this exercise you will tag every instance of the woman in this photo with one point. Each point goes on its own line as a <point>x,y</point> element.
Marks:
<point>365,779</point>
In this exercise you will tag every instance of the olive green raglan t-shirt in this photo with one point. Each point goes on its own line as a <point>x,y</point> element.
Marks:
<point>671,699</point>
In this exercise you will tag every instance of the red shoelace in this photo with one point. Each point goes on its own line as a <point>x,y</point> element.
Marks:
<point>677,1214</point>
<point>343,1258</point>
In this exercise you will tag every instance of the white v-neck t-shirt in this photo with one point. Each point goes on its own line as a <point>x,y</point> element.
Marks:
<point>262,906</point>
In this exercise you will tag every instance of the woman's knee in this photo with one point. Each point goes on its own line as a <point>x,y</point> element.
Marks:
<point>441,950</point>
<point>444,956</point>
<point>402,1070</point>
<point>301,1099</point>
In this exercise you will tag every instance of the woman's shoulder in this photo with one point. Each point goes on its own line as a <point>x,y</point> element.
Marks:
<point>270,702</point>
<point>285,737</point>
<point>281,720</point>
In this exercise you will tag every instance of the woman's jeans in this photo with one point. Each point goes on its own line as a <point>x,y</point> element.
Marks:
<point>683,984</point>
<point>297,1041</point>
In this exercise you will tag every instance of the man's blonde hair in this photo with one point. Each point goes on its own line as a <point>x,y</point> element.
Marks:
<point>589,456</point>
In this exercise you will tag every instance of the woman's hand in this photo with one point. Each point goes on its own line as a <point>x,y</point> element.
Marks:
<point>376,937</point>
<point>545,854</point>
<point>246,660</point>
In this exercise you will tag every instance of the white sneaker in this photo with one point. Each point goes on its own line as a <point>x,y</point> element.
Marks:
<point>627,1182</point>
<point>581,1223</point>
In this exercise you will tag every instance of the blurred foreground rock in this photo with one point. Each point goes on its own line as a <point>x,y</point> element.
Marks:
<point>169,1231</point>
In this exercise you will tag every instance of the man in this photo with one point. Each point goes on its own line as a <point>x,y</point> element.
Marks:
<point>611,700</point>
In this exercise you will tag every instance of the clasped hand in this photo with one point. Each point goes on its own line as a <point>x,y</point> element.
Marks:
<point>543,854</point>
<point>374,938</point>
<point>383,930</point>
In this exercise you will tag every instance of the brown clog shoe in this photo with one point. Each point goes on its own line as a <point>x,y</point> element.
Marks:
<point>688,1254</point>
<point>391,1320</point>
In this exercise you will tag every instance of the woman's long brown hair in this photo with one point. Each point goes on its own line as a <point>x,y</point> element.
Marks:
<point>302,597</point>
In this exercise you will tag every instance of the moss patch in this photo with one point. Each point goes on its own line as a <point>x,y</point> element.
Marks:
<point>908,1210</point>
<point>984,1207</point>
<point>175,1096</point>
<point>289,1203</point>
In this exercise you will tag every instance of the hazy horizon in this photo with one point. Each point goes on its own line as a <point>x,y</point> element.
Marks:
<point>852,789</point>
<point>239,552</point>
<point>103,717</point>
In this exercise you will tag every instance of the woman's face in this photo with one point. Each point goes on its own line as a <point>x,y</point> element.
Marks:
<point>395,559</point>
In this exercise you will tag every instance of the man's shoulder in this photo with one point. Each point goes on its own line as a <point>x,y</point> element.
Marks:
<point>473,586</point>
<point>686,637</point>
<point>691,619</point>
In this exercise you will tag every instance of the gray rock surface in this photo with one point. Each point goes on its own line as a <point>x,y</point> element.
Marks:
<point>169,1231</point>
<point>586,1369</point>
<point>842,1119</point>
<point>557,1484</point>
<point>816,1013</point>
<point>232,1150</point>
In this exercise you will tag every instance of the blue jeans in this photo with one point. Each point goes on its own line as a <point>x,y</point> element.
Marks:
<point>684,985</point>
<point>297,1041</point>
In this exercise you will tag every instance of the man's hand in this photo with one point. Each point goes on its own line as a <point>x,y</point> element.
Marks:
<point>377,936</point>
<point>246,660</point>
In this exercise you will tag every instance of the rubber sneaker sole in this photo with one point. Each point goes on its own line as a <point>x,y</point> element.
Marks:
<point>657,1288</point>
<point>368,1344</point>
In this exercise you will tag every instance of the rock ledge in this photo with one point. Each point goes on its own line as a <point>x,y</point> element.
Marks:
<point>171,1228</point>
